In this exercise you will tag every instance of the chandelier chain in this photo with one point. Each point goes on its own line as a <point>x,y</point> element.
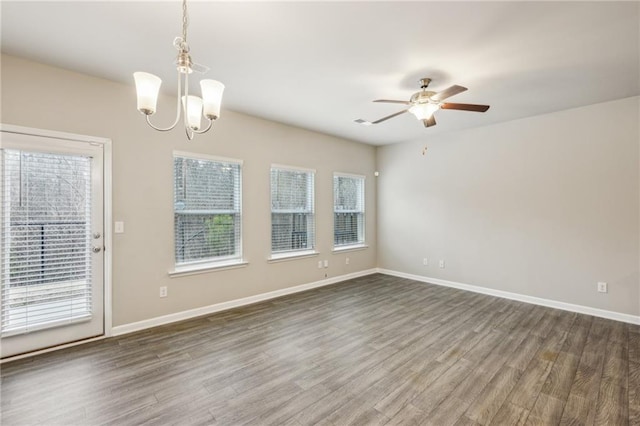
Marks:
<point>185,21</point>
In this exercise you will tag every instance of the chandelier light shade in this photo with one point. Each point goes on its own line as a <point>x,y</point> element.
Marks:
<point>193,110</point>
<point>193,107</point>
<point>211,97</point>
<point>147,89</point>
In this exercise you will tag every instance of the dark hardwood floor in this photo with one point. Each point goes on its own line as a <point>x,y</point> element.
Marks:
<point>373,350</point>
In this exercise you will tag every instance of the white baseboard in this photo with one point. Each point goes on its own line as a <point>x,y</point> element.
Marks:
<point>617,316</point>
<point>205,310</point>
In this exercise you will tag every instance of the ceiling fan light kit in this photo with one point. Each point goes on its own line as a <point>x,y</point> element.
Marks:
<point>194,107</point>
<point>424,111</point>
<point>425,103</point>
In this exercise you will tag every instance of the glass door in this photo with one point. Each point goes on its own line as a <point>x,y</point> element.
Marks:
<point>51,236</point>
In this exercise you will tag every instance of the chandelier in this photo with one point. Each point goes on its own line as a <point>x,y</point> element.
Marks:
<point>148,87</point>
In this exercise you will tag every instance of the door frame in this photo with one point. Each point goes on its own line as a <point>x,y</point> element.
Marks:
<point>107,221</point>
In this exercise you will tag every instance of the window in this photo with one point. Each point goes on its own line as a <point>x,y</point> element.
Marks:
<point>348,210</point>
<point>207,195</point>
<point>292,210</point>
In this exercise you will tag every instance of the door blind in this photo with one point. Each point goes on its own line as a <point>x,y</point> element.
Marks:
<point>292,210</point>
<point>46,224</point>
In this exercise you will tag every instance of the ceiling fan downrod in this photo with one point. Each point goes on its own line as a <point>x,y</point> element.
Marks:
<point>424,82</point>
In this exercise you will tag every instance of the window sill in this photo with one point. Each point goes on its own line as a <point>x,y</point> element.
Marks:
<point>182,271</point>
<point>355,247</point>
<point>283,257</point>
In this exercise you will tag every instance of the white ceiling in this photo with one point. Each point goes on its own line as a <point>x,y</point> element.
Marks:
<point>318,65</point>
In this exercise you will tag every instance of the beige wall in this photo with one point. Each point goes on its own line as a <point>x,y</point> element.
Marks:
<point>545,206</point>
<point>40,96</point>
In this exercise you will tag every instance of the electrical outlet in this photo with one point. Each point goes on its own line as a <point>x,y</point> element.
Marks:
<point>163,291</point>
<point>346,261</point>
<point>441,264</point>
<point>425,261</point>
<point>602,287</point>
<point>326,263</point>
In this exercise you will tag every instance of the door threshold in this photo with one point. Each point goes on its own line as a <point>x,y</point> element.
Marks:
<point>51,349</point>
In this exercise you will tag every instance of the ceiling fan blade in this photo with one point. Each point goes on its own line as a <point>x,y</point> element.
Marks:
<point>363,122</point>
<point>202,69</point>
<point>465,107</point>
<point>448,92</point>
<point>368,123</point>
<point>429,121</point>
<point>388,101</point>
<point>199,68</point>
<point>389,116</point>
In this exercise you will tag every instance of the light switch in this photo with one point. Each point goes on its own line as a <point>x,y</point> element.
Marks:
<point>118,228</point>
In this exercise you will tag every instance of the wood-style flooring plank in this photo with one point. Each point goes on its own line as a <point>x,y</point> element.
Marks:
<point>634,393</point>
<point>613,397</point>
<point>510,414</point>
<point>494,395</point>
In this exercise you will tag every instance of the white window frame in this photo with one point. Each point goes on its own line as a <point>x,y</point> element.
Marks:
<point>360,244</point>
<point>220,262</point>
<point>311,233</point>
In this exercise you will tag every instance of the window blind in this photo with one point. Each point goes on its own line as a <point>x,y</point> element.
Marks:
<point>348,210</point>
<point>45,238</point>
<point>292,210</point>
<point>207,207</point>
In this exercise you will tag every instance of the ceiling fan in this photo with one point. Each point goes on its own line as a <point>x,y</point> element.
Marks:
<point>424,103</point>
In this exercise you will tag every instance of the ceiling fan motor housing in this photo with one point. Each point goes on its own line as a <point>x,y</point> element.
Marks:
<point>422,97</point>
